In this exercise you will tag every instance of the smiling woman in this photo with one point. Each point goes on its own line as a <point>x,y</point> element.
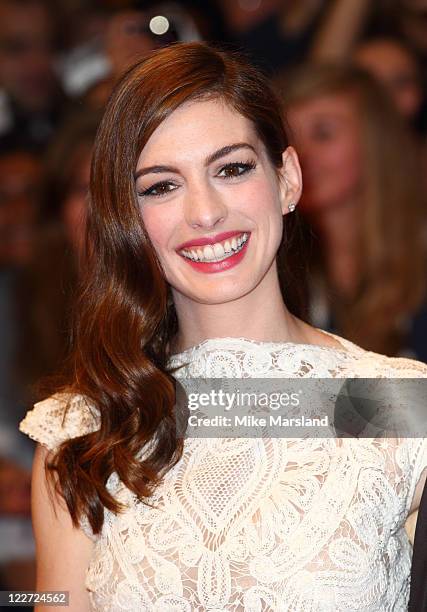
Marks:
<point>191,188</point>
<point>217,206</point>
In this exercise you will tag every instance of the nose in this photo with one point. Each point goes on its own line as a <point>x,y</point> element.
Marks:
<point>204,207</point>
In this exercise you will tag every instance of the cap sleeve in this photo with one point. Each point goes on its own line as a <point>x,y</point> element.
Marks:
<point>59,418</point>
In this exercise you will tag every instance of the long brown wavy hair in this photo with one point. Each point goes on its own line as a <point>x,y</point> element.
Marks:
<point>125,317</point>
<point>392,253</point>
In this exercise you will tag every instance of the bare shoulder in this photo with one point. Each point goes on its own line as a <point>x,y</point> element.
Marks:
<point>63,551</point>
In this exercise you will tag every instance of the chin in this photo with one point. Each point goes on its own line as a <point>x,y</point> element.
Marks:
<point>223,293</point>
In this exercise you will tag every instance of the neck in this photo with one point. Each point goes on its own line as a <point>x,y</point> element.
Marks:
<point>260,315</point>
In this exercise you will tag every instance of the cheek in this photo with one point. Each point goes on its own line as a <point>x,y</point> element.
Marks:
<point>159,225</point>
<point>348,164</point>
<point>259,199</point>
<point>266,210</point>
<point>343,155</point>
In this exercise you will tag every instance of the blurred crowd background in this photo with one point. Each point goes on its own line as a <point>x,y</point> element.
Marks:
<point>352,77</point>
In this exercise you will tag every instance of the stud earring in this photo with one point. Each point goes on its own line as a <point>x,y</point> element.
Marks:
<point>292,206</point>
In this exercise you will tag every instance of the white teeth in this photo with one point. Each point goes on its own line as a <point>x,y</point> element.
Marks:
<point>218,249</point>
<point>208,253</point>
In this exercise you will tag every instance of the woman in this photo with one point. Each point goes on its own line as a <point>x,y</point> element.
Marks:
<point>363,202</point>
<point>190,181</point>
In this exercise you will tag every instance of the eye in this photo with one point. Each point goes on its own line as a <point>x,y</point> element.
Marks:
<point>158,189</point>
<point>236,169</point>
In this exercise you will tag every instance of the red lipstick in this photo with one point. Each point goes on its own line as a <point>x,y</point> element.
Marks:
<point>211,267</point>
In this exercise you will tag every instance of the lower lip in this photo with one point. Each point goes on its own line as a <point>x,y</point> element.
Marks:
<point>211,267</point>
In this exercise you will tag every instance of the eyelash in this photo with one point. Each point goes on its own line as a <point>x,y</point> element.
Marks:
<point>246,166</point>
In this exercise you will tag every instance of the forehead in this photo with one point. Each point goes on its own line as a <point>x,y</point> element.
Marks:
<point>196,129</point>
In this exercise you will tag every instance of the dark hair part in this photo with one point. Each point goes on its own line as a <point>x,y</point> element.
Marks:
<point>126,318</point>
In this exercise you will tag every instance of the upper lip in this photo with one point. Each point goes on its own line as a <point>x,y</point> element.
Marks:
<point>204,240</point>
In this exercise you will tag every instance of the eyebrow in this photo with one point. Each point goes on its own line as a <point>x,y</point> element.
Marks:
<point>213,157</point>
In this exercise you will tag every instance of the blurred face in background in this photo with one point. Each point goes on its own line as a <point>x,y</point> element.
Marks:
<point>26,54</point>
<point>396,68</point>
<point>127,39</point>
<point>75,203</point>
<point>20,183</point>
<point>328,142</point>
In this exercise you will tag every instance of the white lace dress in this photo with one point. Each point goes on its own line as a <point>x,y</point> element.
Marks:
<point>259,525</point>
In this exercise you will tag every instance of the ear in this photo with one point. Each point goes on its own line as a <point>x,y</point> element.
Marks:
<point>290,180</point>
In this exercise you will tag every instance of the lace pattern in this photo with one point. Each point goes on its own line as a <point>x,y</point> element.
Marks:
<point>59,418</point>
<point>257,525</point>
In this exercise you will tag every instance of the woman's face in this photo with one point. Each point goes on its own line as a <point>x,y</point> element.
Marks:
<point>212,203</point>
<point>327,134</point>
